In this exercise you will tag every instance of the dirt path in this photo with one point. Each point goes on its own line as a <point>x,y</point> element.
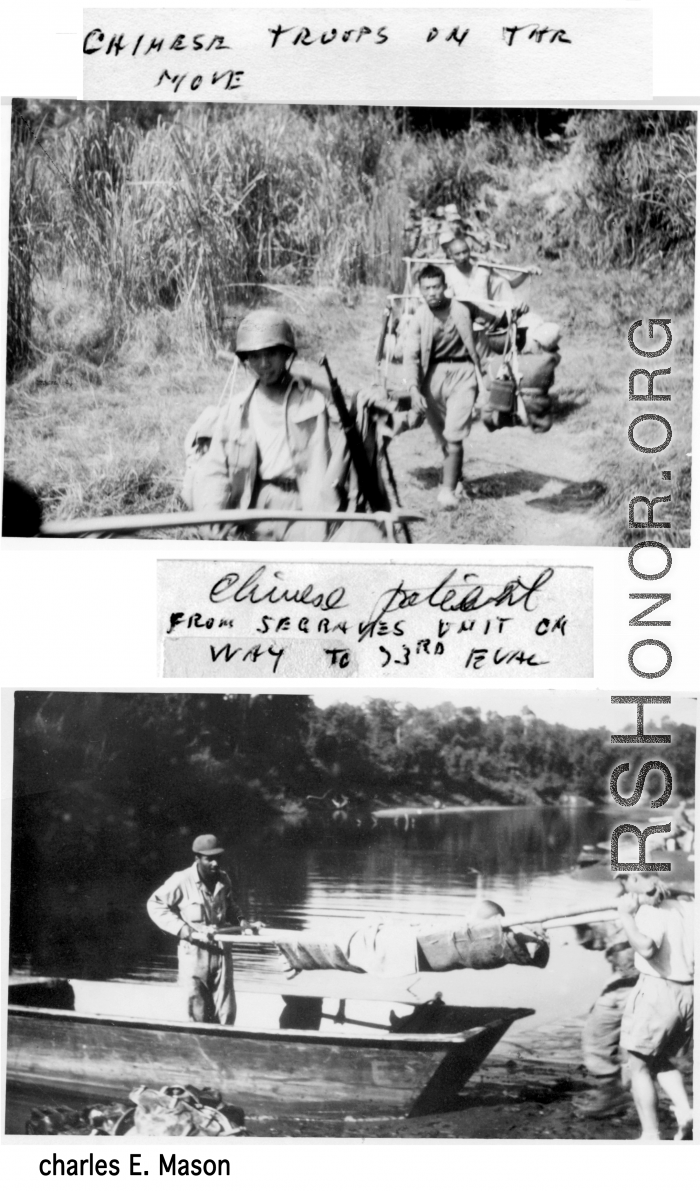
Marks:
<point>519,487</point>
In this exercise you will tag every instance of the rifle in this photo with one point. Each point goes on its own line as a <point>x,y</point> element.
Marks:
<point>382,335</point>
<point>366,476</point>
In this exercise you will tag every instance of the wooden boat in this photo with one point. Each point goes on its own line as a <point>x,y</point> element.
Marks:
<point>75,1034</point>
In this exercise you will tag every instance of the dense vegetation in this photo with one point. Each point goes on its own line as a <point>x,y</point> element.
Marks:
<point>164,205</point>
<point>141,233</point>
<point>110,775</point>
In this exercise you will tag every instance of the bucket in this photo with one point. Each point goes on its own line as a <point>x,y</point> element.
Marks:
<point>502,394</point>
<point>498,340</point>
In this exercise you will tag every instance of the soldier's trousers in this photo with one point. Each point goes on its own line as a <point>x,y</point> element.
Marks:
<point>601,1032</point>
<point>205,976</point>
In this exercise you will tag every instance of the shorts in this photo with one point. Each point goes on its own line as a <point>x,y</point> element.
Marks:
<point>658,1018</point>
<point>450,393</point>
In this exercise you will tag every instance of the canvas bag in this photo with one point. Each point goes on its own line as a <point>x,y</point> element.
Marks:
<point>178,1112</point>
<point>200,433</point>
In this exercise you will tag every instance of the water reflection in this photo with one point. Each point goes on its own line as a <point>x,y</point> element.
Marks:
<point>306,874</point>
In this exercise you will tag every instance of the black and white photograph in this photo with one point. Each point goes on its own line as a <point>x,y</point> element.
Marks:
<point>343,323</point>
<point>356,914</point>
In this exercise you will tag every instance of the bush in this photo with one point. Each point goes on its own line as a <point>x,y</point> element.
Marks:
<point>201,207</point>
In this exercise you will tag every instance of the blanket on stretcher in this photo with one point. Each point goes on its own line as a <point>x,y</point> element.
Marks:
<point>383,949</point>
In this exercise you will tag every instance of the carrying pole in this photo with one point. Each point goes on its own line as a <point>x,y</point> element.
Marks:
<point>107,527</point>
<point>531,270</point>
<point>520,406</point>
<point>271,935</point>
<point>395,489</point>
<point>552,921</point>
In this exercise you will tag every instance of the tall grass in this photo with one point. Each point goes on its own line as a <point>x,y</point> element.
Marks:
<point>198,211</point>
<point>641,180</point>
<point>622,192</point>
<point>189,213</point>
<point>21,246</point>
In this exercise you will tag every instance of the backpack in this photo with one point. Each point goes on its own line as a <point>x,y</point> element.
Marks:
<point>200,433</point>
<point>179,1111</point>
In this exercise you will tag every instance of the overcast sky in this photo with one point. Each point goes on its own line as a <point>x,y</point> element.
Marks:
<point>576,710</point>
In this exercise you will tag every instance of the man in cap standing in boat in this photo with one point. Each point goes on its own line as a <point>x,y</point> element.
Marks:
<point>657,1026</point>
<point>193,905</point>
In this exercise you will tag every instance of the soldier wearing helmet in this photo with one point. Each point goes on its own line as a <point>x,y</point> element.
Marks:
<point>194,905</point>
<point>270,446</point>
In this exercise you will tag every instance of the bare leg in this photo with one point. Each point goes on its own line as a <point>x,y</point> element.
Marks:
<point>672,1083</point>
<point>644,1093</point>
<point>452,467</point>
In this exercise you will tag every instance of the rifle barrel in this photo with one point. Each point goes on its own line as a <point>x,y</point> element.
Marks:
<point>366,476</point>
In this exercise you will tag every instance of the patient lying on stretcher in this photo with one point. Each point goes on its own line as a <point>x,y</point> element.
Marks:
<point>384,948</point>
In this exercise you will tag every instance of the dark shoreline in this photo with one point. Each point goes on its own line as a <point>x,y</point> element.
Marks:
<point>532,1103</point>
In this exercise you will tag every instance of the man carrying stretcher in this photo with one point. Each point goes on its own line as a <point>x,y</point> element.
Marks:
<point>443,373</point>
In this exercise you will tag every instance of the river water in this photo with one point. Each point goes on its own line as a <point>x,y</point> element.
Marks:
<point>302,874</point>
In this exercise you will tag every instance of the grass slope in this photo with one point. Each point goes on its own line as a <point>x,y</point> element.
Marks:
<point>98,427</point>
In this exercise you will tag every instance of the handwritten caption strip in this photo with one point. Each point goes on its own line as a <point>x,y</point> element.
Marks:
<point>381,56</point>
<point>325,620</point>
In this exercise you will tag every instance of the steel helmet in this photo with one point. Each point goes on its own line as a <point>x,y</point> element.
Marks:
<point>264,328</point>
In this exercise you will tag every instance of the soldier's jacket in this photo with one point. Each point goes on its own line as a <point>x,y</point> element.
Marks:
<point>222,456</point>
<point>224,477</point>
<point>184,900</point>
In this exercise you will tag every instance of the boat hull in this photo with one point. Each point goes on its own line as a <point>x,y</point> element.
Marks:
<point>298,1072</point>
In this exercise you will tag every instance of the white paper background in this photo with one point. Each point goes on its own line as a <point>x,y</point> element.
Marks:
<point>397,70</point>
<point>553,628</point>
<point>82,615</point>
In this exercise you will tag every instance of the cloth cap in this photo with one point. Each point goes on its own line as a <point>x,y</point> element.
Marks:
<point>264,328</point>
<point>207,845</point>
<point>446,238</point>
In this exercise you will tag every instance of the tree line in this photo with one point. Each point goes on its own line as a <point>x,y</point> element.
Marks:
<point>109,775</point>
